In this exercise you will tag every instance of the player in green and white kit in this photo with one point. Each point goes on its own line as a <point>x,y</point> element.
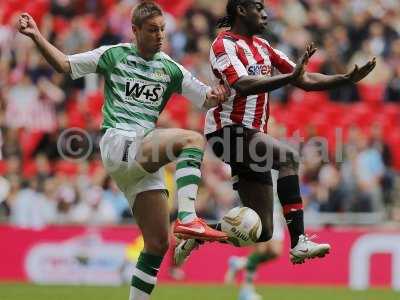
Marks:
<point>139,80</point>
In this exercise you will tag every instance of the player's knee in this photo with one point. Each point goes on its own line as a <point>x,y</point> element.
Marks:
<point>193,139</point>
<point>274,253</point>
<point>157,245</point>
<point>266,234</point>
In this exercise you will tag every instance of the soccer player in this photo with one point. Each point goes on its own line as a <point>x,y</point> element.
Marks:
<point>139,80</point>
<point>236,129</point>
<point>263,253</point>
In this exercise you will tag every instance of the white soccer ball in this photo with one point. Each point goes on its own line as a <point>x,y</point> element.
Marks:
<point>242,225</point>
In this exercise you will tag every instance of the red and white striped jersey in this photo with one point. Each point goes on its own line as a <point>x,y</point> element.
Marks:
<point>231,57</point>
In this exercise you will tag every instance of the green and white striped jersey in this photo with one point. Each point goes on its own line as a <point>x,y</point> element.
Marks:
<point>136,90</point>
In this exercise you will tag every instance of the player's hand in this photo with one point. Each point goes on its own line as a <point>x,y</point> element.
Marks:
<point>27,25</point>
<point>303,61</point>
<point>358,74</point>
<point>217,95</point>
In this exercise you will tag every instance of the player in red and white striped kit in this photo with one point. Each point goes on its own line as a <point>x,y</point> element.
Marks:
<point>245,62</point>
<point>234,56</point>
<point>236,129</point>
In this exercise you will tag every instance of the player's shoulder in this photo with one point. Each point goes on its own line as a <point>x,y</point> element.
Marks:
<point>113,52</point>
<point>164,56</point>
<point>225,36</point>
<point>262,41</point>
<point>167,60</point>
<point>225,40</point>
<point>116,47</point>
<point>172,67</point>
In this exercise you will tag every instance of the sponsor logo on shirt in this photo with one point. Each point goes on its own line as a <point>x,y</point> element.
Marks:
<point>147,92</point>
<point>259,70</point>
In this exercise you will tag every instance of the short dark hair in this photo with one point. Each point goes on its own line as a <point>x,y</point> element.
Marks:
<point>229,19</point>
<point>144,10</point>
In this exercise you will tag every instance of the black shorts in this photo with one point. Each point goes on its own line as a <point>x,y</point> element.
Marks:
<point>231,144</point>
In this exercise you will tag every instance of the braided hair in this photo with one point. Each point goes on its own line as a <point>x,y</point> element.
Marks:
<point>229,19</point>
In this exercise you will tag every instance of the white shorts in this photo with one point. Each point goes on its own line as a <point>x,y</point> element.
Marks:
<point>118,151</point>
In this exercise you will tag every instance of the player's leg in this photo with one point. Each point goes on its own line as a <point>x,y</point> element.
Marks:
<point>263,253</point>
<point>163,146</point>
<point>232,144</point>
<point>151,213</point>
<point>175,271</point>
<point>286,161</point>
<point>259,197</point>
<point>255,195</point>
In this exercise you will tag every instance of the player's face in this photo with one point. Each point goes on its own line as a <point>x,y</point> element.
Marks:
<point>151,34</point>
<point>255,18</point>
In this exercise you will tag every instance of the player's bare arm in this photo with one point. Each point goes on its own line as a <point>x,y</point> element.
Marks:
<point>318,81</point>
<point>58,60</point>
<point>252,85</point>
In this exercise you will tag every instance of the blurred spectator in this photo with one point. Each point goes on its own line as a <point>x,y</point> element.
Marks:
<point>392,92</point>
<point>5,206</point>
<point>334,63</point>
<point>331,195</point>
<point>63,8</point>
<point>93,209</point>
<point>65,198</point>
<point>78,38</point>
<point>116,198</point>
<point>109,37</point>
<point>30,208</point>
<point>389,177</point>
<point>369,170</point>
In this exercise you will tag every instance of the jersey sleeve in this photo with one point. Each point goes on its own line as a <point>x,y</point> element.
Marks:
<point>187,85</point>
<point>93,61</point>
<point>192,88</point>
<point>225,61</point>
<point>280,61</point>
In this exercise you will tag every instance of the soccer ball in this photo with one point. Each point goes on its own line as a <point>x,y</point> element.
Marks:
<point>242,225</point>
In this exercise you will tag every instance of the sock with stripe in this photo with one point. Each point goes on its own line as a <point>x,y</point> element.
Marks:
<point>253,261</point>
<point>144,276</point>
<point>187,177</point>
<point>292,204</point>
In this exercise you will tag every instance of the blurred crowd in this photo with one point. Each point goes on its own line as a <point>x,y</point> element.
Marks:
<point>38,186</point>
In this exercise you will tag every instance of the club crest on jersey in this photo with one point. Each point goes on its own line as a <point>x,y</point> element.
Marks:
<point>259,70</point>
<point>223,62</point>
<point>160,74</point>
<point>147,92</point>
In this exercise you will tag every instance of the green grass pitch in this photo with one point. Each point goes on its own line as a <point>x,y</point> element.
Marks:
<point>11,291</point>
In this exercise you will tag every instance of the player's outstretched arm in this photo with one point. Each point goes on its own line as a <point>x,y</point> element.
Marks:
<point>319,82</point>
<point>58,60</point>
<point>252,85</point>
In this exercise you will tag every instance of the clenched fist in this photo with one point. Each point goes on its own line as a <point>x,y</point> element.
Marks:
<point>27,25</point>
